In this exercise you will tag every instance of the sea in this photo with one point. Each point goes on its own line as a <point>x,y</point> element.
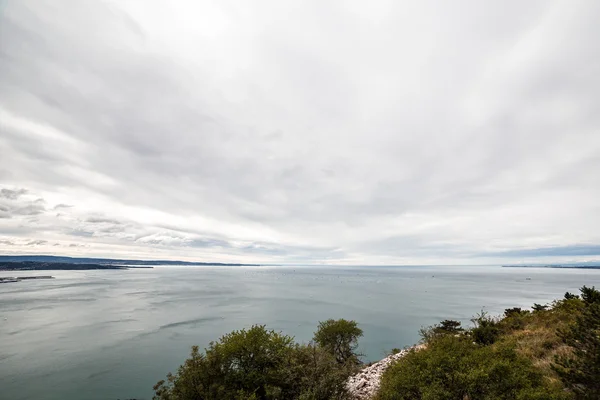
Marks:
<point>112,334</point>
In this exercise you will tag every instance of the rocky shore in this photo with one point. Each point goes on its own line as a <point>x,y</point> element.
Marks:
<point>365,384</point>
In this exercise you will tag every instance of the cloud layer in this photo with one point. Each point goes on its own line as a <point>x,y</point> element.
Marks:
<point>337,132</point>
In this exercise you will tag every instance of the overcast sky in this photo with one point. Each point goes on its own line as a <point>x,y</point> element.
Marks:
<point>351,132</point>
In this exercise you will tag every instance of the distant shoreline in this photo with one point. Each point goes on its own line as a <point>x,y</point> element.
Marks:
<point>103,262</point>
<point>554,266</point>
<point>45,266</point>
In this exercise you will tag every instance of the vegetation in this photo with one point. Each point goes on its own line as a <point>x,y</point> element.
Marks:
<point>454,368</point>
<point>340,339</point>
<point>580,369</point>
<point>552,352</point>
<point>260,364</point>
<point>549,353</point>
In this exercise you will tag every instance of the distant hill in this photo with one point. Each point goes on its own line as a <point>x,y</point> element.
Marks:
<point>108,261</point>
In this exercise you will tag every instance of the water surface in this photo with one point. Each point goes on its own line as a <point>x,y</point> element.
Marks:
<point>111,334</point>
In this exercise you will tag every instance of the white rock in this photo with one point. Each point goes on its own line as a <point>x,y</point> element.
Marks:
<point>364,384</point>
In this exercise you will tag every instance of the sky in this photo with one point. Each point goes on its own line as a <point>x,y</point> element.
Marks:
<point>318,132</point>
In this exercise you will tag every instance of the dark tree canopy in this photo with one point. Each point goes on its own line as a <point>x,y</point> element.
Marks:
<point>257,364</point>
<point>449,326</point>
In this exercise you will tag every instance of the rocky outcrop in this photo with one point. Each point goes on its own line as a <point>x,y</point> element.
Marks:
<point>365,384</point>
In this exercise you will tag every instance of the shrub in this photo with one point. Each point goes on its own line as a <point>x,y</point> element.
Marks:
<point>452,367</point>
<point>258,364</point>
<point>486,329</point>
<point>245,364</point>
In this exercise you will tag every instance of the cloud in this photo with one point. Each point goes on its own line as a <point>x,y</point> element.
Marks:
<point>350,133</point>
<point>18,203</point>
<point>59,206</point>
<point>101,220</point>
<point>36,243</point>
<point>12,194</point>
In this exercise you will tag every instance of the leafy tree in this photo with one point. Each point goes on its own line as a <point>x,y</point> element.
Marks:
<point>539,307</point>
<point>339,338</point>
<point>580,371</point>
<point>245,364</point>
<point>318,374</point>
<point>257,364</point>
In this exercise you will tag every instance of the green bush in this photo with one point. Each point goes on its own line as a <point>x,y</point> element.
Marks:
<point>486,329</point>
<point>243,364</point>
<point>514,319</point>
<point>453,368</point>
<point>259,364</point>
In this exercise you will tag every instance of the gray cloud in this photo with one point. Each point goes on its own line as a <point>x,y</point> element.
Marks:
<point>36,243</point>
<point>31,209</point>
<point>101,220</point>
<point>353,133</point>
<point>14,203</point>
<point>12,194</point>
<point>59,206</point>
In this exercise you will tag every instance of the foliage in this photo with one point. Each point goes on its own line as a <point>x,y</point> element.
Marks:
<point>452,367</point>
<point>243,364</point>
<point>552,353</point>
<point>514,318</point>
<point>510,312</point>
<point>590,295</point>
<point>486,329</point>
<point>580,370</point>
<point>524,342</point>
<point>257,364</point>
<point>570,296</point>
<point>319,375</point>
<point>449,326</point>
<point>339,338</point>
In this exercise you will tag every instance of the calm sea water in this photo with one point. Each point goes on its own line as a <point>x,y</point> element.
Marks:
<point>111,335</point>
